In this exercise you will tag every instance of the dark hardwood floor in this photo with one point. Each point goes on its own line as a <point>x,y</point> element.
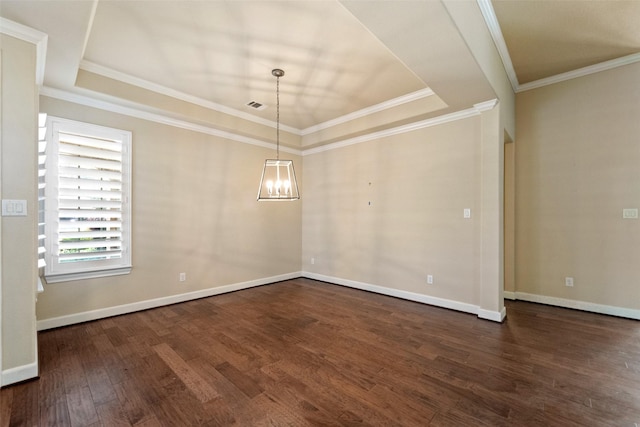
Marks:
<point>302,352</point>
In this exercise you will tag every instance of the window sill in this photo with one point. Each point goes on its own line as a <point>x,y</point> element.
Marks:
<point>68,277</point>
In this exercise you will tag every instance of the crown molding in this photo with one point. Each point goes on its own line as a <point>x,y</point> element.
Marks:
<point>141,112</point>
<point>30,35</point>
<point>486,105</point>
<point>163,90</point>
<point>496,34</point>
<point>413,96</point>
<point>580,72</point>
<point>131,109</point>
<point>446,118</point>
<point>154,87</point>
<point>87,33</point>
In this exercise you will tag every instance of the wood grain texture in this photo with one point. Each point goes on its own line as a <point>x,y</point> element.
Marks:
<point>307,353</point>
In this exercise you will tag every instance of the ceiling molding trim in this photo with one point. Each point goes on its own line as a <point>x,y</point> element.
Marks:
<point>496,34</point>
<point>435,121</point>
<point>138,111</point>
<point>486,105</point>
<point>581,72</point>
<point>414,96</point>
<point>163,90</point>
<point>29,35</point>
<point>87,34</point>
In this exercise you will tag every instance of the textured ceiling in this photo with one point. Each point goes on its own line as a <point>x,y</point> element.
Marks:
<point>546,38</point>
<point>340,57</point>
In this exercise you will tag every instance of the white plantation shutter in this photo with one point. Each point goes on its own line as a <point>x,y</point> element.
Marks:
<point>88,213</point>
<point>42,146</point>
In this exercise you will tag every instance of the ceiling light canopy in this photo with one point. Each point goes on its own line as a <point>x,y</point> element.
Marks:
<point>278,180</point>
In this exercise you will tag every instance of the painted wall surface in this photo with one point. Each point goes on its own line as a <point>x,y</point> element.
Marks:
<point>389,212</point>
<point>509,217</point>
<point>577,168</point>
<point>472,26</point>
<point>194,211</point>
<point>19,181</point>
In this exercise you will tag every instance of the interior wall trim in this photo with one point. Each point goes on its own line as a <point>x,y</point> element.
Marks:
<point>490,18</point>
<point>56,322</point>
<point>19,374</point>
<point>131,109</point>
<point>580,72</point>
<point>163,90</point>
<point>412,296</point>
<point>509,295</point>
<point>489,15</point>
<point>610,310</point>
<point>157,88</point>
<point>141,112</point>
<point>30,35</point>
<point>434,121</point>
<point>414,96</point>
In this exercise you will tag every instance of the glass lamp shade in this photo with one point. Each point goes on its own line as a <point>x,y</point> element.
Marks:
<point>278,181</point>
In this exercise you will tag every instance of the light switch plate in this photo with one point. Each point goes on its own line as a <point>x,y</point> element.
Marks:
<point>466,213</point>
<point>14,207</point>
<point>630,213</point>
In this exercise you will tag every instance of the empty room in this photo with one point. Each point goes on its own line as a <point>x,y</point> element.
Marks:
<point>330,212</point>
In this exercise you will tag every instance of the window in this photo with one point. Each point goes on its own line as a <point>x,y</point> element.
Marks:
<point>87,201</point>
<point>42,146</point>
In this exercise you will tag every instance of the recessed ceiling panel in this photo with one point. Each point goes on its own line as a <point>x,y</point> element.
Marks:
<point>224,51</point>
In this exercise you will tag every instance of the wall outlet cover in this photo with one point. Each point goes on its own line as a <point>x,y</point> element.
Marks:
<point>14,207</point>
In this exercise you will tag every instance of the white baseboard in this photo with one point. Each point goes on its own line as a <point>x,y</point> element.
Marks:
<point>495,316</point>
<point>26,372</point>
<point>19,373</point>
<point>579,305</point>
<point>509,295</point>
<point>56,322</point>
<point>412,296</point>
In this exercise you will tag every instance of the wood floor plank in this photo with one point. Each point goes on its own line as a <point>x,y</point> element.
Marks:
<point>6,406</point>
<point>303,352</point>
<point>244,383</point>
<point>199,387</point>
<point>82,411</point>
<point>55,414</point>
<point>111,414</point>
<point>25,409</point>
<point>51,388</point>
<point>133,405</point>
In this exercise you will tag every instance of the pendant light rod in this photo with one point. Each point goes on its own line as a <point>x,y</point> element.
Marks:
<point>277,72</point>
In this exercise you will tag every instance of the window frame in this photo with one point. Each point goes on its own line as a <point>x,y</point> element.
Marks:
<point>62,272</point>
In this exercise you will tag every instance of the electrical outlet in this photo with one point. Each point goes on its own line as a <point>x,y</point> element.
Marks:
<point>430,279</point>
<point>313,261</point>
<point>183,277</point>
<point>568,281</point>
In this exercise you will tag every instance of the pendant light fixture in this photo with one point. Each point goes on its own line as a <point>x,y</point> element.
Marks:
<point>278,180</point>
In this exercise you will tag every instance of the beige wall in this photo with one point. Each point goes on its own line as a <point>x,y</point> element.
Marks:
<point>472,26</point>
<point>19,181</point>
<point>194,211</point>
<point>577,167</point>
<point>509,217</point>
<point>389,212</point>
